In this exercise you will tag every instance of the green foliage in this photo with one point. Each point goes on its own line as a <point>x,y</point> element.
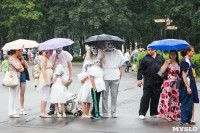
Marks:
<point>196,62</point>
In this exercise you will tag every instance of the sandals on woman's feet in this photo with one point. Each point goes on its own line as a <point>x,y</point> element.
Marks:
<point>169,119</point>
<point>59,115</point>
<point>64,115</point>
<point>45,116</point>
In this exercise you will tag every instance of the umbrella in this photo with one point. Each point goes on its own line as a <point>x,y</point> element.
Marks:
<point>168,44</point>
<point>20,44</point>
<point>55,43</point>
<point>100,39</point>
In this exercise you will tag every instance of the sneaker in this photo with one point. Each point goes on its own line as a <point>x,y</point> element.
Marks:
<point>192,123</point>
<point>50,113</point>
<point>100,117</point>
<point>142,117</point>
<point>105,115</point>
<point>155,116</point>
<point>114,115</point>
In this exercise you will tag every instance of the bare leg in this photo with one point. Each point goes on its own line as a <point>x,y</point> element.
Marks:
<point>87,109</point>
<point>192,119</point>
<point>56,108</point>
<point>63,109</point>
<point>22,92</point>
<point>84,108</point>
<point>36,80</point>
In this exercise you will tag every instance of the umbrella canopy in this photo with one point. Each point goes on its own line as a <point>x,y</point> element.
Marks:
<point>168,44</point>
<point>100,39</point>
<point>20,44</point>
<point>55,43</point>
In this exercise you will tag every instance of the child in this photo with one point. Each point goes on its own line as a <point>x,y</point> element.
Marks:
<point>4,64</point>
<point>98,85</point>
<point>59,93</point>
<point>84,94</point>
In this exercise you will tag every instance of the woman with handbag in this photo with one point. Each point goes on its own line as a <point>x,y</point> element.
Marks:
<point>45,81</point>
<point>14,66</point>
<point>169,107</point>
<point>23,78</point>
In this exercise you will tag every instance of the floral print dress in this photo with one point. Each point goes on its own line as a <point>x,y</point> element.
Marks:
<point>169,106</point>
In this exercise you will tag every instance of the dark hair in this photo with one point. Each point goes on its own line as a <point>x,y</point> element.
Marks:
<point>12,52</point>
<point>177,58</point>
<point>40,52</point>
<point>188,48</point>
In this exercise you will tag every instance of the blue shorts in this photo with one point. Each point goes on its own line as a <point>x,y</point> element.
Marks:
<point>22,77</point>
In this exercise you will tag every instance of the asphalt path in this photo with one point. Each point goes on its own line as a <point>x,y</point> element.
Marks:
<point>127,110</point>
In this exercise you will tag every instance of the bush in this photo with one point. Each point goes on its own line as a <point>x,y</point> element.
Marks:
<point>77,59</point>
<point>195,60</point>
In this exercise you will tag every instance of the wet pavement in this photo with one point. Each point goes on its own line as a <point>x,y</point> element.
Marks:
<point>127,109</point>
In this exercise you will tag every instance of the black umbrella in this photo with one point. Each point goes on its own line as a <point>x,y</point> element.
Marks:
<point>100,40</point>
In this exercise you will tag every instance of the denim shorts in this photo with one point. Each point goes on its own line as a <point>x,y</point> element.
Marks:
<point>22,77</point>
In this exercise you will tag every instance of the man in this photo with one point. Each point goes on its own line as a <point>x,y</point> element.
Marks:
<point>135,54</point>
<point>149,65</point>
<point>111,61</point>
<point>64,58</point>
<point>186,94</point>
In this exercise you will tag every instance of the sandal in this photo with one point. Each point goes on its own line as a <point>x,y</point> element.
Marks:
<point>59,115</point>
<point>22,112</point>
<point>64,115</point>
<point>169,119</point>
<point>14,116</point>
<point>45,116</point>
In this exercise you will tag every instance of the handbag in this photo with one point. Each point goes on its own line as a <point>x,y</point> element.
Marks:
<point>180,83</point>
<point>27,74</point>
<point>36,71</point>
<point>10,79</point>
<point>129,64</point>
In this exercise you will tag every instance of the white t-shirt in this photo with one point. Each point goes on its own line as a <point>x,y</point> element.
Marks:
<point>126,56</point>
<point>111,63</point>
<point>63,58</point>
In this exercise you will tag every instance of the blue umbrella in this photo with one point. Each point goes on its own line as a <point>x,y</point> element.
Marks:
<point>168,44</point>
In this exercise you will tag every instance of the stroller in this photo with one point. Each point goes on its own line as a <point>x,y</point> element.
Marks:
<point>72,106</point>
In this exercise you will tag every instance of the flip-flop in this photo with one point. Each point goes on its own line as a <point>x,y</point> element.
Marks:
<point>45,116</point>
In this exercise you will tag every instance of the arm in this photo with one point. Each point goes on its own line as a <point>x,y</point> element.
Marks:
<point>93,83</point>
<point>18,67</point>
<point>44,64</point>
<point>139,73</point>
<point>83,80</point>
<point>55,62</point>
<point>70,69</point>
<point>184,75</point>
<point>165,66</point>
<point>101,59</point>
<point>54,79</point>
<point>120,70</point>
<point>24,62</point>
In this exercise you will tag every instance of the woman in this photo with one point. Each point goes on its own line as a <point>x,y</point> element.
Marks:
<point>44,81</point>
<point>22,84</point>
<point>37,61</point>
<point>127,59</point>
<point>14,65</point>
<point>169,107</point>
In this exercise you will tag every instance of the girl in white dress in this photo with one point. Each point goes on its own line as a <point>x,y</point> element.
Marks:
<point>96,77</point>
<point>60,93</point>
<point>84,95</point>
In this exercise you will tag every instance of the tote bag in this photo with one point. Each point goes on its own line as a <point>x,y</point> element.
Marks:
<point>10,79</point>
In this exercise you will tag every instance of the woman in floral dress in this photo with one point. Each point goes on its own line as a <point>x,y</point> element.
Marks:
<point>169,107</point>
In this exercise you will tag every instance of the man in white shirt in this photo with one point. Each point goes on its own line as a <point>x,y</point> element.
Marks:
<point>111,62</point>
<point>64,58</point>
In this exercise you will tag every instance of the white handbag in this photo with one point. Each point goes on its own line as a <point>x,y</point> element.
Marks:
<point>10,79</point>
<point>36,71</point>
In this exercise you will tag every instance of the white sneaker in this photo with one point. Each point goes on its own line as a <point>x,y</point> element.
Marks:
<point>105,115</point>
<point>114,115</point>
<point>142,117</point>
<point>155,116</point>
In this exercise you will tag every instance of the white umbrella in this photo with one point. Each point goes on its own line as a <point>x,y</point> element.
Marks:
<point>20,44</point>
